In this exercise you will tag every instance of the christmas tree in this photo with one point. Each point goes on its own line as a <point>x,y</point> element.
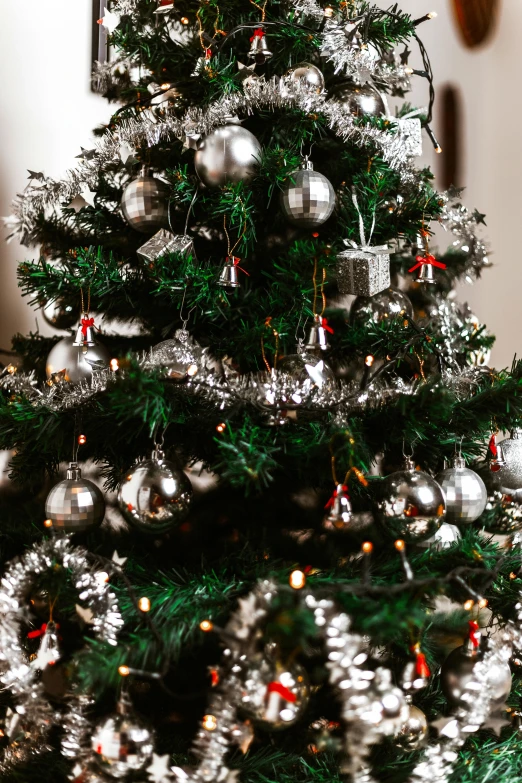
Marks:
<point>249,499</point>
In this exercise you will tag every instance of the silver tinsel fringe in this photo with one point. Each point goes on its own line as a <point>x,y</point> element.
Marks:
<point>462,223</point>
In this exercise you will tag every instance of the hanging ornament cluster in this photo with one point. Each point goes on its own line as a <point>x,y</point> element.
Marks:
<point>144,203</point>
<point>308,198</point>
<point>75,359</point>
<point>274,695</point>
<point>226,155</point>
<point>386,305</point>
<point>465,493</point>
<point>74,504</point>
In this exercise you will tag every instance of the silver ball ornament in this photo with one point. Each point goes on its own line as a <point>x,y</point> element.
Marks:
<point>361,100</point>
<point>74,359</point>
<point>456,675</point>
<point>308,198</point>
<point>59,314</point>
<point>122,744</point>
<point>155,495</point>
<point>508,476</point>
<point>413,731</point>
<point>309,75</point>
<point>75,504</point>
<point>228,154</point>
<point>465,493</point>
<point>176,355</point>
<point>144,203</point>
<point>384,306</point>
<point>411,504</point>
<point>275,696</point>
<point>309,370</point>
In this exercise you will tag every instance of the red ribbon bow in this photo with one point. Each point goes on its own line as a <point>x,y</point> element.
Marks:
<point>208,54</point>
<point>428,260</point>
<point>259,33</point>
<point>285,693</point>
<point>492,446</point>
<point>330,503</point>
<point>40,631</point>
<point>324,324</point>
<point>421,666</point>
<point>474,633</point>
<point>86,322</point>
<point>236,261</point>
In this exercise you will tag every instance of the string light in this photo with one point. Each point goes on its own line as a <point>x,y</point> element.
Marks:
<point>469,604</point>
<point>482,603</point>
<point>48,523</point>
<point>367,547</point>
<point>184,20</point>
<point>124,671</point>
<point>144,604</point>
<point>206,625</point>
<point>114,365</point>
<point>297,579</point>
<point>11,369</point>
<point>369,360</point>
<point>82,440</point>
<point>210,722</point>
<point>512,575</point>
<point>399,545</point>
<point>221,427</point>
<point>101,577</point>
<point>328,11</point>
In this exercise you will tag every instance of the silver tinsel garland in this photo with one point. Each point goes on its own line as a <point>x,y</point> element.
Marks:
<point>462,223</point>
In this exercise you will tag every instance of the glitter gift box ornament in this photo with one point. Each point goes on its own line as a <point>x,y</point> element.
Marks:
<point>409,131</point>
<point>363,271</point>
<point>163,243</point>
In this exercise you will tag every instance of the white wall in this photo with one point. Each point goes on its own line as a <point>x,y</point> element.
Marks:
<point>47,112</point>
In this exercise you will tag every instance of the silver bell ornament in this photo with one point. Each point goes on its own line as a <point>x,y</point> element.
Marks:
<point>309,75</point>
<point>360,100</point>
<point>339,510</point>
<point>74,359</point>
<point>308,198</point>
<point>228,277</point>
<point>74,504</point>
<point>176,355</point>
<point>144,203</point>
<point>227,155</point>
<point>259,51</point>
<point>508,477</point>
<point>465,493</point>
<point>155,495</point>
<point>411,504</point>
<point>49,651</point>
<point>308,369</point>
<point>122,743</point>
<point>274,695</point>
<point>413,731</point>
<point>59,314</point>
<point>384,306</point>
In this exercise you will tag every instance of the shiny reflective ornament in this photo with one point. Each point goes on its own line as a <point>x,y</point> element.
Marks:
<point>509,476</point>
<point>177,356</point>
<point>340,510</point>
<point>456,675</point>
<point>155,495</point>
<point>75,504</point>
<point>317,337</point>
<point>465,493</point>
<point>227,155</point>
<point>8,488</point>
<point>60,314</point>
<point>122,744</point>
<point>444,538</point>
<point>413,731</point>
<point>386,305</point>
<point>308,369</point>
<point>361,100</point>
<point>426,274</point>
<point>273,695</point>
<point>49,651</point>
<point>228,277</point>
<point>144,203</point>
<point>308,198</point>
<point>74,359</point>
<point>308,74</point>
<point>259,51</point>
<point>411,504</point>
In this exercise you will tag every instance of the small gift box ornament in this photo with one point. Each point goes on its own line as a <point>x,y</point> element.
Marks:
<point>409,132</point>
<point>163,243</point>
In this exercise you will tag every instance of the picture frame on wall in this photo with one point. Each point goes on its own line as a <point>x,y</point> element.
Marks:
<point>476,20</point>
<point>100,51</point>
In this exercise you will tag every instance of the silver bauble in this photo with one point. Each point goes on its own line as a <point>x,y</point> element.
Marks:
<point>228,154</point>
<point>155,495</point>
<point>308,198</point>
<point>413,731</point>
<point>456,675</point>
<point>444,537</point>
<point>144,203</point>
<point>508,477</point>
<point>361,100</point>
<point>309,75</point>
<point>266,685</point>
<point>411,504</point>
<point>74,359</point>
<point>75,504</point>
<point>58,313</point>
<point>176,355</point>
<point>465,493</point>
<point>309,370</point>
<point>384,306</point>
<point>122,744</point>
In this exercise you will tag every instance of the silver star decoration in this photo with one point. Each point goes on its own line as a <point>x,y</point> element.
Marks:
<point>77,203</point>
<point>159,769</point>
<point>109,20</point>
<point>120,561</point>
<point>316,373</point>
<point>35,175</point>
<point>86,154</point>
<point>447,726</point>
<point>126,154</point>
<point>246,71</point>
<point>496,723</point>
<point>88,196</point>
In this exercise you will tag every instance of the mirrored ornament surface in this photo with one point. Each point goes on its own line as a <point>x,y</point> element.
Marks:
<point>228,154</point>
<point>456,677</point>
<point>155,495</point>
<point>76,363</point>
<point>361,100</point>
<point>465,493</point>
<point>508,477</point>
<point>275,696</point>
<point>413,731</point>
<point>386,305</point>
<point>60,314</point>
<point>122,744</point>
<point>308,74</point>
<point>308,369</point>
<point>144,204</point>
<point>75,504</point>
<point>308,198</point>
<point>176,355</point>
<point>411,504</point>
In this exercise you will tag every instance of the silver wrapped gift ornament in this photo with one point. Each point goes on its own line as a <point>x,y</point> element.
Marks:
<point>164,243</point>
<point>363,271</point>
<point>409,130</point>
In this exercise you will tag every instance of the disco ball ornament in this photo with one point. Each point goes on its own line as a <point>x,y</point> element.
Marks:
<point>144,203</point>
<point>75,504</point>
<point>309,370</point>
<point>465,493</point>
<point>59,314</point>
<point>508,476</point>
<point>155,495</point>
<point>274,695</point>
<point>360,100</point>
<point>308,198</point>
<point>177,356</point>
<point>308,74</point>
<point>456,677</point>
<point>411,504</point>
<point>413,731</point>
<point>227,155</point>
<point>122,743</point>
<point>74,359</point>
<point>384,306</point>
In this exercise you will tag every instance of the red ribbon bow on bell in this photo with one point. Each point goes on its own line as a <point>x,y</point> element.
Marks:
<point>492,446</point>
<point>326,327</point>
<point>86,322</point>
<point>330,503</point>
<point>236,261</point>
<point>259,33</point>
<point>474,633</point>
<point>428,260</point>
<point>285,693</point>
<point>40,631</point>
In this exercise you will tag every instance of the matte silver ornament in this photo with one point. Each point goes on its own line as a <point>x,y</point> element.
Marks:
<point>308,74</point>
<point>465,493</point>
<point>361,100</point>
<point>308,369</point>
<point>308,198</point>
<point>413,731</point>
<point>176,355</point>
<point>228,154</point>
<point>388,304</point>
<point>144,203</point>
<point>275,696</point>
<point>363,271</point>
<point>75,504</point>
<point>60,314</point>
<point>411,504</point>
<point>122,743</point>
<point>456,677</point>
<point>74,359</point>
<point>509,475</point>
<point>155,495</point>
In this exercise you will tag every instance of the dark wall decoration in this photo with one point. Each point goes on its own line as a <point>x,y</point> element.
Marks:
<point>451,136</point>
<point>476,19</point>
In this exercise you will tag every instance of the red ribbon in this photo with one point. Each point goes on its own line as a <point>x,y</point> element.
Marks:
<point>324,324</point>
<point>208,54</point>
<point>285,693</point>
<point>330,503</point>
<point>259,33</point>
<point>492,446</point>
<point>474,633</point>
<point>421,666</point>
<point>429,260</point>
<point>86,322</point>
<point>40,631</point>
<point>236,261</point>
